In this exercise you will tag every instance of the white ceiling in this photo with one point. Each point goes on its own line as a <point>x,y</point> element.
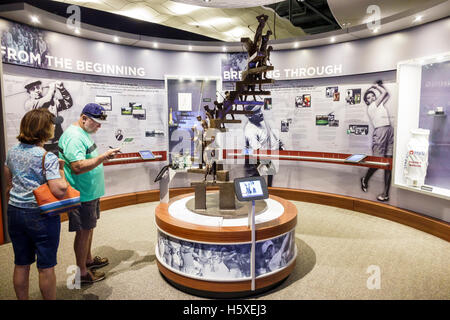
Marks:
<point>229,3</point>
<point>226,24</point>
<point>430,10</point>
<point>352,13</point>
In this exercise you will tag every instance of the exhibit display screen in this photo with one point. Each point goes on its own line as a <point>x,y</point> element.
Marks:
<point>355,158</point>
<point>147,155</point>
<point>252,188</point>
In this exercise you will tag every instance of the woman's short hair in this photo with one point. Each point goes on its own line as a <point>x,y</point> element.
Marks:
<point>36,126</point>
<point>367,93</point>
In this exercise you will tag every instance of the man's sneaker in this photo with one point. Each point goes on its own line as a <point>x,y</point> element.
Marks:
<point>98,262</point>
<point>363,185</point>
<point>383,197</point>
<point>92,276</point>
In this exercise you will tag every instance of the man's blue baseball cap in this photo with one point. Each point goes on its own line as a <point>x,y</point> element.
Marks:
<point>95,112</point>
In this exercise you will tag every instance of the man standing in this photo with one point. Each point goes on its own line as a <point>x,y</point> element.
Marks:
<point>259,135</point>
<point>54,105</point>
<point>84,171</point>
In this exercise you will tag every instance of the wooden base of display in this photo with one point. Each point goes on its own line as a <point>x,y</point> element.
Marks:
<point>176,229</point>
<point>224,290</point>
<point>184,230</point>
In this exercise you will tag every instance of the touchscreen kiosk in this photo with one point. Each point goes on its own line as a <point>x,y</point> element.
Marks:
<point>162,172</point>
<point>251,188</point>
<point>147,155</point>
<point>355,158</point>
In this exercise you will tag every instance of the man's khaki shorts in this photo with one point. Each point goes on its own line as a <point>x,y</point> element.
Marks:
<point>85,218</point>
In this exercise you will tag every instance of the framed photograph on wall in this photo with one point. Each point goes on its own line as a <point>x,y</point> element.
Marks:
<point>126,111</point>
<point>104,101</point>
<point>330,91</point>
<point>135,105</point>
<point>139,114</point>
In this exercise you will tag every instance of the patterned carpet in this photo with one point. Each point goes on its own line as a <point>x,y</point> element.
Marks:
<point>342,254</point>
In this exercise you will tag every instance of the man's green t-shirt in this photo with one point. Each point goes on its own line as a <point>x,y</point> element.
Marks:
<point>76,144</point>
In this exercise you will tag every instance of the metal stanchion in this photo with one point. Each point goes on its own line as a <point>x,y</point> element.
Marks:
<point>253,249</point>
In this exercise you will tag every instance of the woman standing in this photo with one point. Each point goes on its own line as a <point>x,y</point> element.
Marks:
<point>32,234</point>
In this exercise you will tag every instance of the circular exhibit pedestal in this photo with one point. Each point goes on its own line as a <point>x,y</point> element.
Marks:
<point>211,255</point>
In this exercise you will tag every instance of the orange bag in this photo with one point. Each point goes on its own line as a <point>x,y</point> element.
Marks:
<point>49,204</point>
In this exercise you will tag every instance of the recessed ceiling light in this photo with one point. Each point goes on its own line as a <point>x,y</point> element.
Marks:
<point>224,48</point>
<point>375,30</point>
<point>190,48</point>
<point>34,19</point>
<point>116,39</point>
<point>155,44</point>
<point>333,39</point>
<point>77,31</point>
<point>417,19</point>
<point>296,45</point>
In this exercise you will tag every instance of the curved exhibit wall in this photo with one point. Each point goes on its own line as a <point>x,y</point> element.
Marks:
<point>129,81</point>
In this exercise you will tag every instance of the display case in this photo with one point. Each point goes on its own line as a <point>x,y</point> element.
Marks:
<point>214,253</point>
<point>422,137</point>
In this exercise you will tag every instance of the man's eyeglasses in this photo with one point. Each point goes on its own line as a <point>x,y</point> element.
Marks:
<point>101,116</point>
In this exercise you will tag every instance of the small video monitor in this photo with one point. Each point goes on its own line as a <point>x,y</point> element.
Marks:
<point>147,155</point>
<point>355,158</point>
<point>251,188</point>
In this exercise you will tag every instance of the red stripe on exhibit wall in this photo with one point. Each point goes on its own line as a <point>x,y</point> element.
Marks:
<point>290,155</point>
<point>2,239</point>
<point>126,158</point>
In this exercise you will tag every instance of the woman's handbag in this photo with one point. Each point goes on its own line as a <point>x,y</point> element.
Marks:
<point>49,204</point>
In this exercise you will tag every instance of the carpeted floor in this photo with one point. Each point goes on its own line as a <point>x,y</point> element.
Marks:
<point>337,252</point>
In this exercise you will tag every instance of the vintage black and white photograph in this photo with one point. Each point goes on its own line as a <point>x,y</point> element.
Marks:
<point>154,133</point>
<point>285,125</point>
<point>358,129</point>
<point>118,134</point>
<point>353,96</point>
<point>333,123</point>
<point>223,261</point>
<point>330,91</point>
